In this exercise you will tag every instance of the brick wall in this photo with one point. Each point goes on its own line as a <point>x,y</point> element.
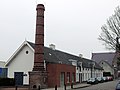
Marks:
<point>54,71</point>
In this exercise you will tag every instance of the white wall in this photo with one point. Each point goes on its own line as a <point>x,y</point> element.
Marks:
<point>2,64</point>
<point>77,74</point>
<point>22,63</point>
<point>106,67</point>
<point>87,73</point>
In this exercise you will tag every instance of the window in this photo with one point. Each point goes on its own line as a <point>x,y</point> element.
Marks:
<point>80,69</point>
<point>82,76</point>
<point>50,54</point>
<point>27,52</point>
<point>73,77</point>
<point>68,77</point>
<point>77,68</point>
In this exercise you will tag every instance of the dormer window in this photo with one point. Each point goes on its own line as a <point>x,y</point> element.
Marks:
<point>74,62</point>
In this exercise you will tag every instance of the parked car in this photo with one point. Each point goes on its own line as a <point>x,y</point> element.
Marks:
<point>109,78</point>
<point>104,79</point>
<point>100,79</point>
<point>118,86</point>
<point>92,81</point>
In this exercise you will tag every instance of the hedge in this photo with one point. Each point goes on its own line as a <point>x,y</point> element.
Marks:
<point>7,82</point>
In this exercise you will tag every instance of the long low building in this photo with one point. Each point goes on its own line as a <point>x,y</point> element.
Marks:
<point>63,68</point>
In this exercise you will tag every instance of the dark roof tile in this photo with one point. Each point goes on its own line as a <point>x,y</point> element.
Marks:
<point>56,56</point>
<point>108,56</point>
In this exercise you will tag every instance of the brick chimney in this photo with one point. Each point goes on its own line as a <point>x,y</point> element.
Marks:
<point>38,77</point>
<point>39,39</point>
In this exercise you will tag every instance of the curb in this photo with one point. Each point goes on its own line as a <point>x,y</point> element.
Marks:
<point>82,86</point>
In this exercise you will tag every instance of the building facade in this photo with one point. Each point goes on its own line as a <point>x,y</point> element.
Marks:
<point>63,68</point>
<point>106,61</point>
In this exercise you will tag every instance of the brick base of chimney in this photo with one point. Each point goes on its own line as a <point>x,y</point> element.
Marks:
<point>37,80</point>
<point>39,66</point>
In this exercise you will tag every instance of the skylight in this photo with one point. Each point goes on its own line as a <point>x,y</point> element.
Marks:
<point>50,54</point>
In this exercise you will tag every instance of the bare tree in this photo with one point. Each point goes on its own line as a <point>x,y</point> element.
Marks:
<point>111,30</point>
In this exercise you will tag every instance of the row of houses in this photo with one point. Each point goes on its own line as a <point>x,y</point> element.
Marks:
<point>63,68</point>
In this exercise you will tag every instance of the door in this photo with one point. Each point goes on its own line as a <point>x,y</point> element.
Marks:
<point>62,79</point>
<point>18,78</point>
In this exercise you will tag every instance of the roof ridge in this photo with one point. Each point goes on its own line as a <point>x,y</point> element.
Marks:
<point>104,53</point>
<point>56,50</point>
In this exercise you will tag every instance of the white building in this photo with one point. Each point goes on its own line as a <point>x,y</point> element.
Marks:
<point>107,67</point>
<point>2,64</point>
<point>107,60</point>
<point>86,69</point>
<point>21,61</point>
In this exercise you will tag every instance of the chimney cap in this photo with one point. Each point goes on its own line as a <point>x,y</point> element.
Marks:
<point>81,55</point>
<point>40,6</point>
<point>52,46</point>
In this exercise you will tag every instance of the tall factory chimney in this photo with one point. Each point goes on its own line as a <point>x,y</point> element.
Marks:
<point>39,39</point>
<point>38,77</point>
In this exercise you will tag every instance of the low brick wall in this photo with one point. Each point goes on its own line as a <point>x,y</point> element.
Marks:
<point>14,88</point>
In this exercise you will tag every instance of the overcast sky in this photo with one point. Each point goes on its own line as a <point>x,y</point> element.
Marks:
<point>72,25</point>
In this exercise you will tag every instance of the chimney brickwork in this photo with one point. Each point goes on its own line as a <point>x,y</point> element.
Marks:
<point>39,39</point>
<point>38,77</point>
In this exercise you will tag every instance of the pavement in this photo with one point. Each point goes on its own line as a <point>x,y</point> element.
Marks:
<point>80,85</point>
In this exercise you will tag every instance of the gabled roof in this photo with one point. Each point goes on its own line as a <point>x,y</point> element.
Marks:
<point>106,63</point>
<point>108,56</point>
<point>17,51</point>
<point>56,56</point>
<point>87,63</point>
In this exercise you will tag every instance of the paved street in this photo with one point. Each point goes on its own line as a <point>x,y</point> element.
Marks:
<point>102,86</point>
